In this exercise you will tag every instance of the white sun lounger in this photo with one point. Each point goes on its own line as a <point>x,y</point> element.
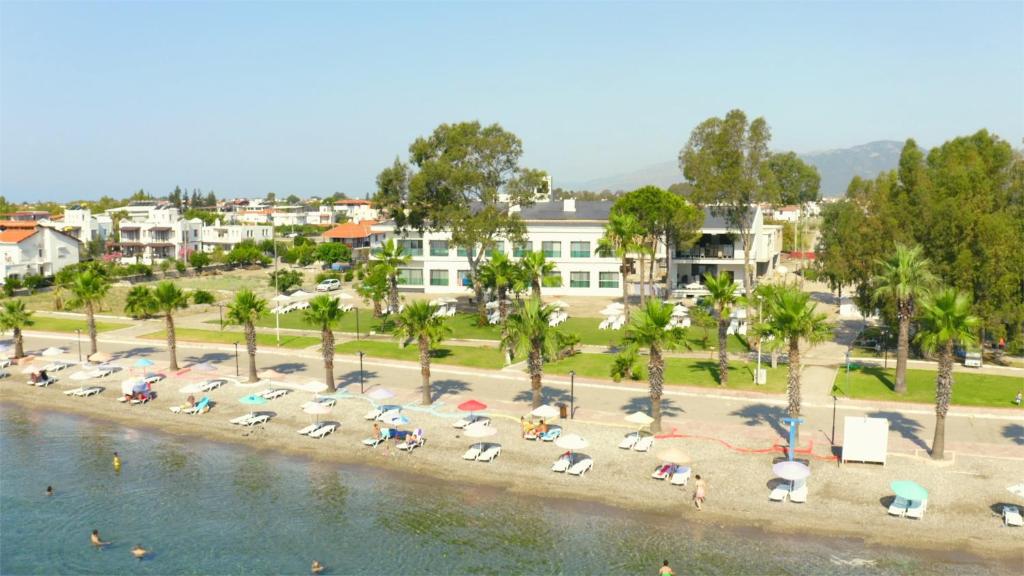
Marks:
<point>274,393</point>
<point>409,445</point>
<point>323,430</point>
<point>305,431</point>
<point>779,493</point>
<point>211,385</point>
<point>374,442</point>
<point>44,383</point>
<point>84,391</point>
<point>324,401</point>
<point>490,453</point>
<point>1012,517</point>
<point>899,507</point>
<point>581,466</point>
<point>629,440</point>
<point>681,476</point>
<point>250,419</point>
<point>916,509</point>
<point>798,494</point>
<point>473,452</point>
<point>379,412</point>
<point>474,420</point>
<point>56,366</point>
<point>662,471</point>
<point>562,463</point>
<point>644,444</point>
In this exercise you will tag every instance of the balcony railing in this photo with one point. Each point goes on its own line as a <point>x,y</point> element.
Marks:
<point>724,251</point>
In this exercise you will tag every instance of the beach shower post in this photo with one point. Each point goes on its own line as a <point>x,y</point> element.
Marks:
<point>361,371</point>
<point>793,423</point>
<point>572,393</point>
<point>237,373</point>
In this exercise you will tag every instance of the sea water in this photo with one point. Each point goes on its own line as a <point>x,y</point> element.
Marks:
<point>207,508</point>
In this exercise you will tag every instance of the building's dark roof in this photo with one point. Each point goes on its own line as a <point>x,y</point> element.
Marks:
<point>713,220</point>
<point>585,210</point>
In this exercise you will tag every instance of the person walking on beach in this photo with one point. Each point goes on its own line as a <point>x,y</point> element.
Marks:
<point>699,492</point>
<point>665,569</point>
<point>96,540</point>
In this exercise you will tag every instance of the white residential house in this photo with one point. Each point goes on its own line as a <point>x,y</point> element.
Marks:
<point>83,225</point>
<point>37,250</point>
<point>155,235</point>
<point>719,249</point>
<point>227,236</point>
<point>356,210</point>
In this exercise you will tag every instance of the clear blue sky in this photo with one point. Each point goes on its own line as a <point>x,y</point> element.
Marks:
<point>310,99</point>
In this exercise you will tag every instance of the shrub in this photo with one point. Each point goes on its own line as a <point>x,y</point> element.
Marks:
<point>10,285</point>
<point>203,297</point>
<point>179,265</point>
<point>32,282</point>
<point>285,279</point>
<point>328,274</point>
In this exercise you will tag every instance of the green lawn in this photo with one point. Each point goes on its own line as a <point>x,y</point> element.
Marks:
<point>474,356</point>
<point>679,371</point>
<point>293,320</point>
<point>48,324</point>
<point>262,339</point>
<point>969,388</point>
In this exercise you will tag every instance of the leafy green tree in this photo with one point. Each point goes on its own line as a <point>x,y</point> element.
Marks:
<point>528,332</point>
<point>945,321</point>
<point>903,279</point>
<point>390,258</point>
<point>293,199</point>
<point>169,299</point>
<point>419,321</point>
<point>198,261</point>
<point>726,161</point>
<point>331,252</point>
<point>462,171</point>
<point>32,282</point>
<point>534,267</point>
<point>283,280</point>
<point>700,318</point>
<point>325,313</point>
<point>139,302</point>
<point>15,317</point>
<point>796,182</point>
<point>722,293</point>
<point>499,274</point>
<point>203,297</point>
<point>246,309</point>
<point>622,237</point>
<point>88,289</point>
<point>792,317</point>
<point>650,329</point>
<point>246,253</point>
<point>373,287</point>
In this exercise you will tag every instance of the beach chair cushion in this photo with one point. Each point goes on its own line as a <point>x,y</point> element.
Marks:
<point>562,464</point>
<point>551,435</point>
<point>898,507</point>
<point>473,452</point>
<point>916,509</point>
<point>799,493</point>
<point>629,440</point>
<point>323,430</point>
<point>661,472</point>
<point>681,476</point>
<point>490,453</point>
<point>779,493</point>
<point>1012,516</point>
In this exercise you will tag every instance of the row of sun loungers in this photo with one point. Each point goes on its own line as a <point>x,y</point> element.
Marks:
<point>289,308</point>
<point>574,463</point>
<point>319,429</point>
<point>83,391</point>
<point>482,452</point>
<point>636,441</point>
<point>680,475</point>
<point>612,323</point>
<point>796,494</point>
<point>444,312</point>
<point>557,318</point>
<point>551,435</point>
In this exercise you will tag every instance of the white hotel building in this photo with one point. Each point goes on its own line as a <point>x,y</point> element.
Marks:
<point>227,236</point>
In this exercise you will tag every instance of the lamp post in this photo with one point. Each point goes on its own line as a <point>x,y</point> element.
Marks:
<point>357,323</point>
<point>757,374</point>
<point>237,373</point>
<point>79,332</point>
<point>572,394</point>
<point>885,347</point>
<point>848,372</point>
<point>221,309</point>
<point>361,371</point>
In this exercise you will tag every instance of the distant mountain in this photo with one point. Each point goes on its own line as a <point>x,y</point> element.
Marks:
<point>837,167</point>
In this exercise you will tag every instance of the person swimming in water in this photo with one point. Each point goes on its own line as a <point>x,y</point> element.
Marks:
<point>49,490</point>
<point>139,552</point>
<point>97,541</point>
<point>316,568</point>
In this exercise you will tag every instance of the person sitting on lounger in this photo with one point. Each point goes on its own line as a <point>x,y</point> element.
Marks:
<point>526,426</point>
<point>33,378</point>
<point>541,428</point>
<point>377,434</point>
<point>191,401</point>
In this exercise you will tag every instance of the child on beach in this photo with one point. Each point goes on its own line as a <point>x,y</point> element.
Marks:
<point>665,569</point>
<point>699,492</point>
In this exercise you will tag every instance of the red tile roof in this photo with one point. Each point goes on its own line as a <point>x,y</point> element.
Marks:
<point>352,202</point>
<point>349,230</point>
<point>30,224</point>
<point>15,236</point>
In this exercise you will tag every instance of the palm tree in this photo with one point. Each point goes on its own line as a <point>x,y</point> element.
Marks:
<point>528,332</point>
<point>169,298</point>
<point>499,274</point>
<point>325,313</point>
<point>374,288</point>
<point>649,329</point>
<point>88,290</point>
<point>904,278</point>
<point>793,317</point>
<point>139,302</point>
<point>722,292</point>
<point>390,258</point>
<point>14,317</point>
<point>419,321</point>
<point>621,238</point>
<point>533,269</point>
<point>946,320</point>
<point>245,310</point>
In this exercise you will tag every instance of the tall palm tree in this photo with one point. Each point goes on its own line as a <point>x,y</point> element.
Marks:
<point>325,313</point>
<point>169,299</point>
<point>374,287</point>
<point>946,320</point>
<point>903,279</point>
<point>534,267</point>
<point>88,289</point>
<point>528,332</point>
<point>419,321</point>
<point>139,303</point>
<point>650,329</point>
<point>390,258</point>
<point>14,317</point>
<point>245,310</point>
<point>621,238</point>
<point>722,292</point>
<point>793,317</point>
<point>499,274</point>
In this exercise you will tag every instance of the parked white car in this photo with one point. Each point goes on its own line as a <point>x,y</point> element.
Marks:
<point>328,285</point>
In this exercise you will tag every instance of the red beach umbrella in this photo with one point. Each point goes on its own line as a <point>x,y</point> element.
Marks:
<point>472,406</point>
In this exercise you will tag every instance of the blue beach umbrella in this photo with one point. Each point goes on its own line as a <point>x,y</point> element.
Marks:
<point>909,490</point>
<point>253,400</point>
<point>143,363</point>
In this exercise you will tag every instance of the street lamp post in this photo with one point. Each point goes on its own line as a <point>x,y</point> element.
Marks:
<point>885,348</point>
<point>361,371</point>
<point>237,373</point>
<point>357,323</point>
<point>79,332</point>
<point>221,308</point>
<point>757,375</point>
<point>572,394</point>
<point>848,372</point>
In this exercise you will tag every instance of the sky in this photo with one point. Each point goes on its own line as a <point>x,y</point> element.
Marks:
<point>316,98</point>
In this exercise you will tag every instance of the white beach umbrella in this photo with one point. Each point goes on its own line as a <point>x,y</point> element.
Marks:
<point>381,394</point>
<point>545,411</point>
<point>53,351</point>
<point>639,418</point>
<point>559,304</point>
<point>572,442</point>
<point>317,410</point>
<point>674,455</point>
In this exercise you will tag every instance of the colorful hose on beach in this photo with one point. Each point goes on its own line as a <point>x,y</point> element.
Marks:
<point>774,448</point>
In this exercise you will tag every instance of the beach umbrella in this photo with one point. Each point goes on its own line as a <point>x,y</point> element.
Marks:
<point>53,351</point>
<point>909,490</point>
<point>673,455</point>
<point>472,406</point>
<point>252,400</point>
<point>314,386</point>
<point>204,367</point>
<point>398,420</point>
<point>1017,489</point>
<point>791,470</point>
<point>479,432</point>
<point>317,410</point>
<point>571,442</point>
<point>545,411</point>
<point>380,394</point>
<point>639,418</point>
<point>100,357</point>
<point>438,302</point>
<point>143,363</point>
<point>270,375</point>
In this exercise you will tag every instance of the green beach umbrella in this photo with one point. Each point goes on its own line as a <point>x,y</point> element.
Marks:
<point>909,490</point>
<point>253,400</point>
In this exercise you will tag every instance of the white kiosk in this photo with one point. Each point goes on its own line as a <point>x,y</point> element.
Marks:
<point>865,439</point>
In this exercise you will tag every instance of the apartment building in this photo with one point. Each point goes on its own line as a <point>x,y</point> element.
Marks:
<point>358,236</point>
<point>35,250</point>
<point>227,236</point>
<point>155,233</point>
<point>357,210</point>
<point>84,226</point>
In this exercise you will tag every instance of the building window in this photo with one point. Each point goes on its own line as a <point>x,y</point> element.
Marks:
<point>608,280</point>
<point>438,277</point>
<point>412,248</point>
<point>410,277</point>
<point>551,249</point>
<point>579,279</point>
<point>462,251</point>
<point>464,278</point>
<point>553,280</point>
<point>439,248</point>
<point>519,249</point>
<point>499,247</point>
<point>579,249</point>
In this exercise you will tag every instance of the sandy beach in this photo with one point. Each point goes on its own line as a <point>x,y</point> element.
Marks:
<point>847,501</point>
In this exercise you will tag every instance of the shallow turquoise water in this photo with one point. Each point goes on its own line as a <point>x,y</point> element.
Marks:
<point>205,508</point>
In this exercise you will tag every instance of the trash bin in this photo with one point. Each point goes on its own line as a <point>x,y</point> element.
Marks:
<point>563,411</point>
